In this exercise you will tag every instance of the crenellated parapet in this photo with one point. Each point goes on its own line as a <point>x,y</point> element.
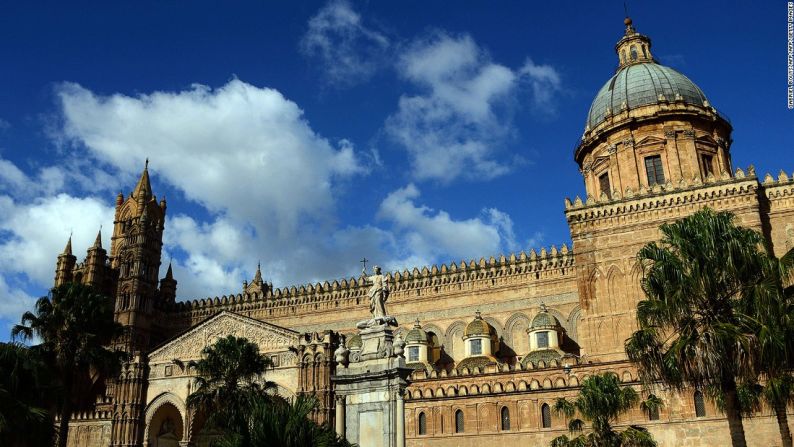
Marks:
<point>688,195</point>
<point>464,276</point>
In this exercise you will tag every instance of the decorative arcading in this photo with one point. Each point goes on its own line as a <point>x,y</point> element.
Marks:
<point>444,385</point>
<point>683,193</point>
<point>485,273</point>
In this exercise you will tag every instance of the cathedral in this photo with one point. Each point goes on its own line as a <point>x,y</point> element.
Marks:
<point>489,344</point>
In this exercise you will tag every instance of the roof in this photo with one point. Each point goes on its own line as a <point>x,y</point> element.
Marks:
<point>416,335</point>
<point>639,85</point>
<point>544,319</point>
<point>478,326</point>
<point>545,355</point>
<point>479,361</point>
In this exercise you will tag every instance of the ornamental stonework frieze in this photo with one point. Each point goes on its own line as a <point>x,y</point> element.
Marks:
<point>268,337</point>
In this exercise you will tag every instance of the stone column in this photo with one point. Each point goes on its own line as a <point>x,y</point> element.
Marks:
<point>340,416</point>
<point>400,420</point>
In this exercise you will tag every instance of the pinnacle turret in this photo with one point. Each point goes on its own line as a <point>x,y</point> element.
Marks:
<point>143,190</point>
<point>68,249</point>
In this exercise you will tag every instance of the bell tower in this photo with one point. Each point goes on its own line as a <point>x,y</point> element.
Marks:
<point>135,251</point>
<point>135,254</point>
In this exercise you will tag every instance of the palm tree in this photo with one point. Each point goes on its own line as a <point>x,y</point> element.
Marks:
<point>228,383</point>
<point>276,421</point>
<point>25,390</point>
<point>601,401</point>
<point>75,325</point>
<point>774,308</point>
<point>695,327</point>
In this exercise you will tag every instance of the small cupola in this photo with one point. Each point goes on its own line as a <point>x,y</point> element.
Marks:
<point>633,48</point>
<point>417,344</point>
<point>478,337</point>
<point>545,336</point>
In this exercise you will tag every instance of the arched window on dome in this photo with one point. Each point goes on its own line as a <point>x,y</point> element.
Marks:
<point>622,56</point>
<point>459,421</point>
<point>644,52</point>
<point>505,419</point>
<point>633,51</point>
<point>422,424</point>
<point>545,416</point>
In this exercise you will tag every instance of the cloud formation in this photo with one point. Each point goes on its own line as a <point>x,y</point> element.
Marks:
<point>432,234</point>
<point>260,185</point>
<point>456,125</point>
<point>346,50</point>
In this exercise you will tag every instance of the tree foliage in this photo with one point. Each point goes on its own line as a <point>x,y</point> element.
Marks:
<point>75,325</point>
<point>601,401</point>
<point>25,397</point>
<point>697,327</point>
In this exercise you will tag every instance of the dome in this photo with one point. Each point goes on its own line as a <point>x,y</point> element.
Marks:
<point>416,335</point>
<point>544,355</point>
<point>480,361</point>
<point>642,84</point>
<point>544,320</point>
<point>478,326</point>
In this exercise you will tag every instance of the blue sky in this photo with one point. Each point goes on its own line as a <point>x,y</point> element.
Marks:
<point>310,134</point>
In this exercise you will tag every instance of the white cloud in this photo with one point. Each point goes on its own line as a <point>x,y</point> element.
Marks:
<point>36,232</point>
<point>348,52</point>
<point>544,81</point>
<point>426,234</point>
<point>239,149</point>
<point>456,126</point>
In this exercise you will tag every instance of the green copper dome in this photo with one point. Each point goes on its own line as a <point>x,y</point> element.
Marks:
<point>544,319</point>
<point>545,355</point>
<point>416,335</point>
<point>642,84</point>
<point>478,326</point>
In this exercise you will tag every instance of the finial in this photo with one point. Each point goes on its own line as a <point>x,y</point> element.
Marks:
<point>146,166</point>
<point>477,315</point>
<point>416,323</point>
<point>543,307</point>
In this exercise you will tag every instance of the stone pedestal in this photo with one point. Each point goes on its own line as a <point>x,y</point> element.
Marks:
<point>370,407</point>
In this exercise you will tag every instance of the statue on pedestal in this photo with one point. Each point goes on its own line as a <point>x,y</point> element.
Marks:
<point>378,294</point>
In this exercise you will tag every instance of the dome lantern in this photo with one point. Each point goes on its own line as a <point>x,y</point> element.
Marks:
<point>633,48</point>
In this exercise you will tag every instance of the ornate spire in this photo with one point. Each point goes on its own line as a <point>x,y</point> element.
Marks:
<point>633,48</point>
<point>258,275</point>
<point>169,274</point>
<point>143,190</point>
<point>98,240</point>
<point>68,249</point>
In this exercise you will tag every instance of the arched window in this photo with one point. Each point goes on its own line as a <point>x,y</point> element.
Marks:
<point>653,412</point>
<point>505,419</point>
<point>545,415</point>
<point>422,424</point>
<point>644,52</point>
<point>633,51</point>
<point>700,406</point>
<point>459,421</point>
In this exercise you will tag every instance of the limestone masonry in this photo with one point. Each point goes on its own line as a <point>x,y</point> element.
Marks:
<point>490,343</point>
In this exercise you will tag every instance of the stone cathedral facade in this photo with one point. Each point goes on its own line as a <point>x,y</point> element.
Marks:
<point>492,342</point>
